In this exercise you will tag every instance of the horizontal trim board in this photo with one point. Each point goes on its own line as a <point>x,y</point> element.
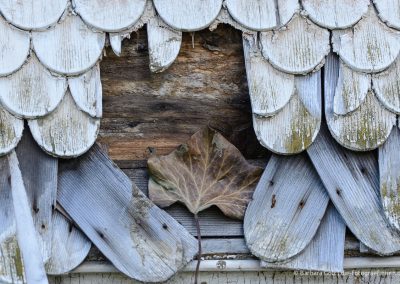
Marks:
<point>246,265</point>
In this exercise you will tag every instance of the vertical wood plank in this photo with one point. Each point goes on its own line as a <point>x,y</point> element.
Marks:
<point>287,208</point>
<point>325,252</point>
<point>26,234</point>
<point>11,266</point>
<point>389,177</point>
<point>352,181</point>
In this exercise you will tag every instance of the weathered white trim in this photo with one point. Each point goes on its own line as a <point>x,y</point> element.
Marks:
<point>246,265</point>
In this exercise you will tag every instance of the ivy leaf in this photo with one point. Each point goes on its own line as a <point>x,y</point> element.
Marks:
<point>205,171</point>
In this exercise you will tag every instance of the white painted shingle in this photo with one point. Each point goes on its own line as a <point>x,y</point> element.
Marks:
<point>32,91</point>
<point>110,16</point>
<point>33,14</point>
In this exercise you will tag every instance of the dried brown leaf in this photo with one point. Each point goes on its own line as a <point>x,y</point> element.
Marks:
<point>205,171</point>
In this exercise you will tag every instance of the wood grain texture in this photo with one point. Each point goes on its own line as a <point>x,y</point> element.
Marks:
<point>262,15</point>
<point>62,246</point>
<point>352,181</point>
<point>269,89</point>
<point>190,15</point>
<point>389,177</point>
<point>305,45</point>
<point>325,252</point>
<point>254,15</point>
<point>282,219</point>
<point>143,241</point>
<point>14,45</point>
<point>32,91</point>
<point>26,234</point>
<point>336,14</point>
<point>11,266</point>
<point>164,44</point>
<point>386,86</point>
<point>295,127</point>
<point>87,91</point>
<point>11,129</point>
<point>69,246</point>
<point>66,132</point>
<point>351,89</point>
<point>40,183</point>
<point>145,113</point>
<point>389,11</point>
<point>70,48</point>
<point>33,14</point>
<point>110,16</point>
<point>369,46</point>
<point>364,129</point>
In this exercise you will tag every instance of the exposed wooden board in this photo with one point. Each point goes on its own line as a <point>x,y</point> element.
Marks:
<point>63,247</point>
<point>364,129</point>
<point>262,15</point>
<point>145,112</point>
<point>11,266</point>
<point>326,250</point>
<point>351,89</point>
<point>116,43</point>
<point>389,177</point>
<point>67,131</point>
<point>305,45</point>
<point>295,127</point>
<point>336,14</point>
<point>26,233</point>
<point>352,181</point>
<point>40,183</point>
<point>389,11</point>
<point>14,45</point>
<point>369,46</point>
<point>110,16</point>
<point>33,14</point>
<point>387,85</point>
<point>282,219</point>
<point>69,246</point>
<point>87,91</point>
<point>270,90</point>
<point>164,44</point>
<point>224,246</point>
<point>32,91</point>
<point>143,241</point>
<point>70,47</point>
<point>189,16</point>
<point>11,129</point>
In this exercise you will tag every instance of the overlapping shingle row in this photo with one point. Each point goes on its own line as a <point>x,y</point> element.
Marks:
<point>360,109</point>
<point>50,51</point>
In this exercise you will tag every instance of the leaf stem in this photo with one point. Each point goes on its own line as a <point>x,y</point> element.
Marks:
<point>196,275</point>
